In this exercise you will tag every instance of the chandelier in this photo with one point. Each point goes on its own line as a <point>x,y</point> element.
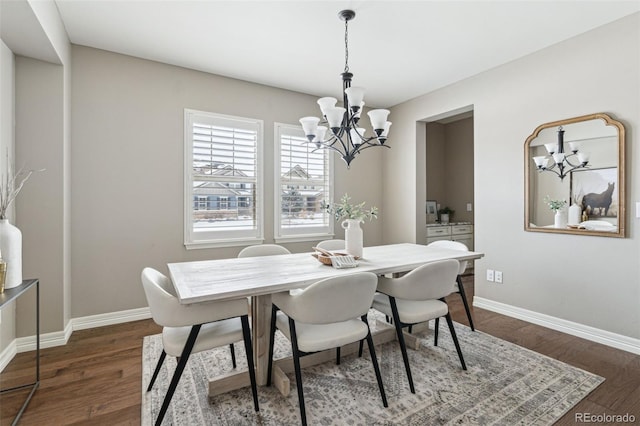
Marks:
<point>338,129</point>
<point>559,161</point>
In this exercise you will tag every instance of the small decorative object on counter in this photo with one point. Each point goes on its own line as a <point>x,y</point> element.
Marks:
<point>446,215</point>
<point>575,213</point>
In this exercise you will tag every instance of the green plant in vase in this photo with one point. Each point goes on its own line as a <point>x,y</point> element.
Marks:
<point>445,214</point>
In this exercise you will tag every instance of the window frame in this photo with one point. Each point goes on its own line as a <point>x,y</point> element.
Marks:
<point>279,235</point>
<point>226,238</point>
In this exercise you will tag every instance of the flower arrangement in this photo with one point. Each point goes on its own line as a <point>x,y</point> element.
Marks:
<point>345,210</point>
<point>555,205</point>
<point>10,186</point>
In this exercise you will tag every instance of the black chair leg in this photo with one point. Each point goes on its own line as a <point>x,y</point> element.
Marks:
<point>188,347</point>
<point>374,360</point>
<point>272,335</point>
<point>360,349</point>
<point>455,340</point>
<point>337,356</point>
<point>464,302</point>
<point>403,346</point>
<point>163,355</point>
<point>436,327</point>
<point>233,355</point>
<point>246,334</point>
<point>296,364</point>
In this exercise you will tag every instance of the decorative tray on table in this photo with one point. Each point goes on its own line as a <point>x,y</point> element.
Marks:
<point>335,259</point>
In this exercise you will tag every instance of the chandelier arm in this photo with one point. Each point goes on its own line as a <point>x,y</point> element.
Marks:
<point>552,171</point>
<point>329,143</point>
<point>578,167</point>
<point>339,139</point>
<point>325,146</point>
<point>369,145</point>
<point>367,141</point>
<point>566,158</point>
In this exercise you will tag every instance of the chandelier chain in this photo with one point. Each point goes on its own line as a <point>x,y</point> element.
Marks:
<point>346,45</point>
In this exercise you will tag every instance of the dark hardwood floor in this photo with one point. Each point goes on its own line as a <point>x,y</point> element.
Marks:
<point>96,378</point>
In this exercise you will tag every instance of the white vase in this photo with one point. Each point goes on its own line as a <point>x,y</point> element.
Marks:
<point>560,219</point>
<point>444,218</point>
<point>575,214</point>
<point>353,237</point>
<point>11,251</point>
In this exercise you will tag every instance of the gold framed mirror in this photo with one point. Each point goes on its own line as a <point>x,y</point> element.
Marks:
<point>575,177</point>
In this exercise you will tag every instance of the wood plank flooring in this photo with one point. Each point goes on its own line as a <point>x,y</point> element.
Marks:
<point>96,378</point>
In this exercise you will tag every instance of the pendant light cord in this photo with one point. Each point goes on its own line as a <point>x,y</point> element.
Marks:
<point>346,45</point>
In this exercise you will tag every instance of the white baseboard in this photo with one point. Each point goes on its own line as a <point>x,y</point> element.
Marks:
<point>593,334</point>
<point>60,338</point>
<point>7,354</point>
<point>111,318</point>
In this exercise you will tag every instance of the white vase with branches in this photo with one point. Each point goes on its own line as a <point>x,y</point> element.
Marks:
<point>10,236</point>
<point>351,216</point>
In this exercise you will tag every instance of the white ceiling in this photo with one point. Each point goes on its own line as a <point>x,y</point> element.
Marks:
<point>397,49</point>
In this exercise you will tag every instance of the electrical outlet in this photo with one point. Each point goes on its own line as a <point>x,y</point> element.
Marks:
<point>498,276</point>
<point>469,207</point>
<point>490,275</point>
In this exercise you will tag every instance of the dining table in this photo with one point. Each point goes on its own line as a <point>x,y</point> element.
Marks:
<point>260,277</point>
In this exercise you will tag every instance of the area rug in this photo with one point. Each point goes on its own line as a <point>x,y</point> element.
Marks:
<point>505,384</point>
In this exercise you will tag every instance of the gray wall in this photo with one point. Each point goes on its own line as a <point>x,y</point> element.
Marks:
<point>127,169</point>
<point>449,166</point>
<point>7,117</point>
<point>592,281</point>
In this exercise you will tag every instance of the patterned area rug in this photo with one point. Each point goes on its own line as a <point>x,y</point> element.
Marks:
<point>505,384</point>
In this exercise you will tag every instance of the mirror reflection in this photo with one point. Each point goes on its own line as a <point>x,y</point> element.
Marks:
<point>574,172</point>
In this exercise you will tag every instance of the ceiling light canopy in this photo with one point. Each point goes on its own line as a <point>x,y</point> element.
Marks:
<point>338,130</point>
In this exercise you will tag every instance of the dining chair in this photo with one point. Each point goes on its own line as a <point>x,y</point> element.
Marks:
<point>331,245</point>
<point>327,314</point>
<point>263,250</point>
<point>188,329</point>
<point>458,287</point>
<point>418,297</point>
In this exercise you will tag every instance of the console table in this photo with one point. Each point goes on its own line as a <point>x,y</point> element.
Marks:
<point>7,297</point>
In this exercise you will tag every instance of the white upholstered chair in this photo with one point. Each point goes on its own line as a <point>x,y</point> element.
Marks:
<point>418,297</point>
<point>263,250</point>
<point>331,245</point>
<point>458,287</point>
<point>194,328</point>
<point>328,314</point>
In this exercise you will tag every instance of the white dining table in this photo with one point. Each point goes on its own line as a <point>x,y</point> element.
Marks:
<point>259,277</point>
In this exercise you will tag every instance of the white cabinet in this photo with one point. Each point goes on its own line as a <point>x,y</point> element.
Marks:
<point>462,232</point>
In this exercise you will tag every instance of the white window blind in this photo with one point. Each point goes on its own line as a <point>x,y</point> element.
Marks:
<point>223,190</point>
<point>304,184</point>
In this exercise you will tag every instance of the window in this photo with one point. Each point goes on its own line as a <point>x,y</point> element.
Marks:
<point>243,202</point>
<point>223,165</point>
<point>304,184</point>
